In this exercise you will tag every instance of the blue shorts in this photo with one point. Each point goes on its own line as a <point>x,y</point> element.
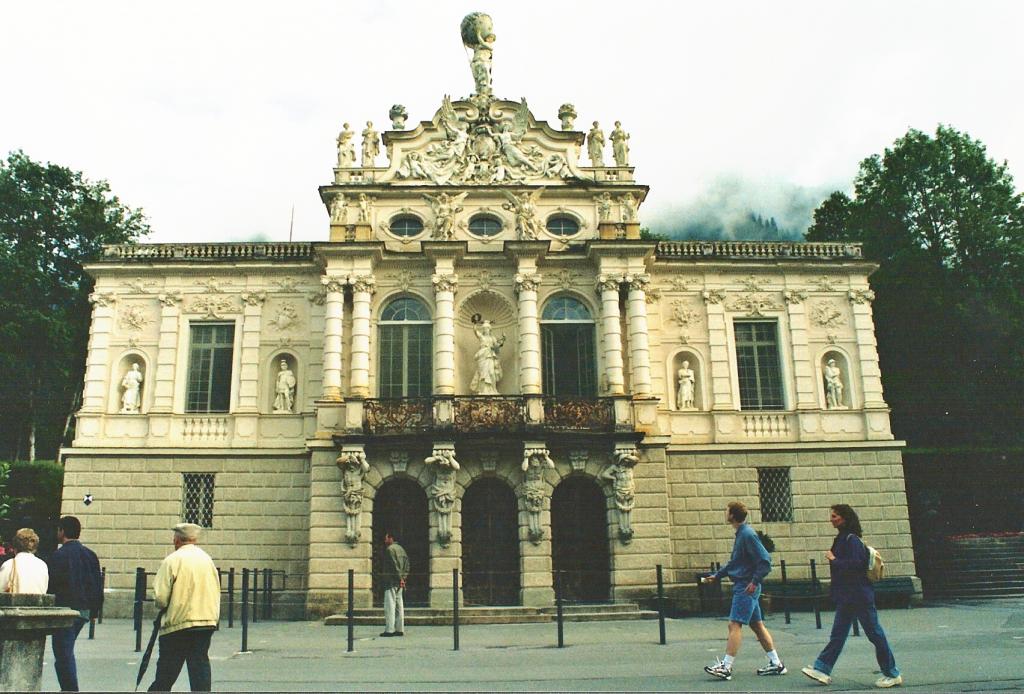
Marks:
<point>745,608</point>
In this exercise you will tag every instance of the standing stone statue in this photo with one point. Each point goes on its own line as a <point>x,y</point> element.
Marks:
<point>371,145</point>
<point>833,386</point>
<point>131,399</point>
<point>284,390</point>
<point>354,467</point>
<point>687,382</point>
<point>346,150</point>
<point>365,203</point>
<point>488,363</point>
<point>339,209</point>
<point>595,145</point>
<point>630,207</point>
<point>478,35</point>
<point>524,205</point>
<point>624,488</point>
<point>604,207</point>
<point>620,145</point>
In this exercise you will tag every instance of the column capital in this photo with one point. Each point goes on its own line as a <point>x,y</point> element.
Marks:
<point>333,284</point>
<point>527,282</point>
<point>861,296</point>
<point>445,282</point>
<point>253,298</point>
<point>363,283</point>
<point>713,296</point>
<point>170,299</point>
<point>794,296</point>
<point>637,281</point>
<point>102,299</point>
<point>608,283</point>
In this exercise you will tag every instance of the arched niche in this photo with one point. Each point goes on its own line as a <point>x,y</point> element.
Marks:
<point>486,305</point>
<point>695,364</point>
<point>289,374</point>
<point>130,375</point>
<point>835,359</point>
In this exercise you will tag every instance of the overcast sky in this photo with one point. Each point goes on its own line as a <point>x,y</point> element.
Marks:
<point>217,117</point>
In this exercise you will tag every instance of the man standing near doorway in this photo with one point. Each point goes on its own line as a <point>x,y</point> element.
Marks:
<point>747,567</point>
<point>75,582</point>
<point>396,570</point>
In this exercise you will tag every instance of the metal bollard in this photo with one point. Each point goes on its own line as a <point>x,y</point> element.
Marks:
<point>103,587</point>
<point>254,612</point>
<point>350,616</point>
<point>231,598</point>
<point>140,596</point>
<point>785,589</point>
<point>558,609</point>
<point>856,628</point>
<point>266,594</point>
<point>661,607</point>
<point>455,609</point>
<point>245,611</point>
<point>814,585</point>
<point>270,593</point>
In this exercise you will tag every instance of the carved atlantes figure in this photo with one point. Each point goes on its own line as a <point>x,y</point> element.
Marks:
<point>478,35</point>
<point>371,144</point>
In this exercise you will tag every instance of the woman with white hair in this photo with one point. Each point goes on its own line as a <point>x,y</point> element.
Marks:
<point>26,573</point>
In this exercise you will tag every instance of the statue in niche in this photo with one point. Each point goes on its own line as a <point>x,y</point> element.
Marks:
<point>595,145</point>
<point>445,208</point>
<point>371,144</point>
<point>131,399</point>
<point>687,382</point>
<point>604,207</point>
<point>284,389</point>
<point>620,145</point>
<point>353,470</point>
<point>398,114</point>
<point>477,31</point>
<point>524,205</point>
<point>620,473</point>
<point>346,150</point>
<point>833,386</point>
<point>488,362</point>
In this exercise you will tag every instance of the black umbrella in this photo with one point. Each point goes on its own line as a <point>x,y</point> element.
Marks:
<point>149,649</point>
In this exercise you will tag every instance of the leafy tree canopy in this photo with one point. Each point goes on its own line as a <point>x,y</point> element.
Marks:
<point>52,221</point>
<point>947,228</point>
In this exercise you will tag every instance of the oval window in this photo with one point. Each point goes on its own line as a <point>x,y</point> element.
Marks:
<point>562,225</point>
<point>484,225</point>
<point>406,225</point>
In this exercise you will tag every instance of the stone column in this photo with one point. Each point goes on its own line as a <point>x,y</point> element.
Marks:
<point>444,332</point>
<point>639,349</point>
<point>529,334</point>
<point>721,359</point>
<point>334,310</point>
<point>363,287</point>
<point>166,354</point>
<point>803,369</point>
<point>867,348</point>
<point>611,332</point>
<point>248,380</point>
<point>97,362</point>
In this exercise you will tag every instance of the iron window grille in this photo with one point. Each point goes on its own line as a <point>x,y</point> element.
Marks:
<point>197,499</point>
<point>775,487</point>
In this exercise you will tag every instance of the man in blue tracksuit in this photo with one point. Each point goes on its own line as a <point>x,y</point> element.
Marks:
<point>747,567</point>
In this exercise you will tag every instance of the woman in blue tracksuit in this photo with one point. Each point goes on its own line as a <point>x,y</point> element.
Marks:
<point>854,597</point>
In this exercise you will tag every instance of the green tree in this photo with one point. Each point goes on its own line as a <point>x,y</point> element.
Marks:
<point>947,228</point>
<point>52,221</point>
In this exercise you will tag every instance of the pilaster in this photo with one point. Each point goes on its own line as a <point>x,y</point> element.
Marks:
<point>166,354</point>
<point>867,348</point>
<point>803,369</point>
<point>248,378</point>
<point>718,337</point>
<point>97,362</point>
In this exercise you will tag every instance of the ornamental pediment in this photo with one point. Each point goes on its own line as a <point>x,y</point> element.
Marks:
<point>482,141</point>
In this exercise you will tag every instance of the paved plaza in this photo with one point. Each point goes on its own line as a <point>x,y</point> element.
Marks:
<point>951,647</point>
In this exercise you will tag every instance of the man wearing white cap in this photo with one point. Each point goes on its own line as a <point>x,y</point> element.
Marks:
<point>187,587</point>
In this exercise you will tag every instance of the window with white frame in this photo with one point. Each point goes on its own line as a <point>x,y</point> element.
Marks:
<point>758,365</point>
<point>211,354</point>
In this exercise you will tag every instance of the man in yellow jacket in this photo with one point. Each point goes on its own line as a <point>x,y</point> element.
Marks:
<point>187,587</point>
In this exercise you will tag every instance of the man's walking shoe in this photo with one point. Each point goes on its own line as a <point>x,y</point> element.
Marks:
<point>886,682</point>
<point>399,633</point>
<point>816,675</point>
<point>387,634</point>
<point>773,669</point>
<point>719,670</point>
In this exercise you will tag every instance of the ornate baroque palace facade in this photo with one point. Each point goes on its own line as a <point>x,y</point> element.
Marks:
<point>487,359</point>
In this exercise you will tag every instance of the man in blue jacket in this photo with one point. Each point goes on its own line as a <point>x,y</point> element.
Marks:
<point>75,581</point>
<point>747,567</point>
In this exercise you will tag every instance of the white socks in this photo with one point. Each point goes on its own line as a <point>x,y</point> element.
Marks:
<point>773,657</point>
<point>728,660</point>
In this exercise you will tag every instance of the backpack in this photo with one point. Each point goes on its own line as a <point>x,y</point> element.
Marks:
<point>876,567</point>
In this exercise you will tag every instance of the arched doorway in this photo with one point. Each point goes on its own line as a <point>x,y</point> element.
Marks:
<point>579,540</point>
<point>490,544</point>
<point>400,507</point>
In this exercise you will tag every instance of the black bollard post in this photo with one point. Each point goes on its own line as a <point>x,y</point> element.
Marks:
<point>350,615</point>
<point>558,609</point>
<point>785,602</point>
<point>270,593</point>
<point>814,586</point>
<point>266,594</point>
<point>140,596</point>
<point>231,598</point>
<point>245,610</point>
<point>254,613</point>
<point>661,607</point>
<point>700,595</point>
<point>103,587</point>
<point>455,609</point>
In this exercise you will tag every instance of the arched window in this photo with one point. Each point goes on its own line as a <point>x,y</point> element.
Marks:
<point>567,343</point>
<point>405,349</point>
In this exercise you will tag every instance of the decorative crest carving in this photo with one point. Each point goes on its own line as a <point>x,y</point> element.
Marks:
<point>253,298</point>
<point>285,319</point>
<point>713,296</point>
<point>753,305</point>
<point>102,299</point>
<point>134,317</point>
<point>212,306</point>
<point>794,296</point>
<point>139,286</point>
<point>170,299</point>
<point>827,315</point>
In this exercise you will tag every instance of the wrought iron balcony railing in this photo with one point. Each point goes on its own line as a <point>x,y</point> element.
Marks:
<point>579,414</point>
<point>398,415</point>
<point>490,413</point>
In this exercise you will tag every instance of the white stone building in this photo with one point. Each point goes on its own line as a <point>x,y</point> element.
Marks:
<point>486,358</point>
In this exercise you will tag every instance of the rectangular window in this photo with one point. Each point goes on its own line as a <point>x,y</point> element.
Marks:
<point>758,365</point>
<point>209,368</point>
<point>406,361</point>
<point>570,367</point>
<point>776,491</point>
<point>197,499</point>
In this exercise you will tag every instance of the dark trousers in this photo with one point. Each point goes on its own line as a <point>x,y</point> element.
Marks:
<point>63,643</point>
<point>190,646</point>
<point>867,615</point>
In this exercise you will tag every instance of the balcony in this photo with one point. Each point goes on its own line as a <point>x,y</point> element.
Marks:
<point>578,414</point>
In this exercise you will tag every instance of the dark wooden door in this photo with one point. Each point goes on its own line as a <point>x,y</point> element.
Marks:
<point>579,540</point>
<point>401,509</point>
<point>490,544</point>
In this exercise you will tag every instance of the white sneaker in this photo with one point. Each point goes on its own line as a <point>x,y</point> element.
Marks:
<point>886,682</point>
<point>818,676</point>
<point>719,670</point>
